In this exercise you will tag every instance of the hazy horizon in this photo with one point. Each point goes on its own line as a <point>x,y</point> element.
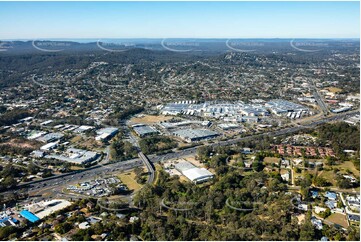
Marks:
<point>90,40</point>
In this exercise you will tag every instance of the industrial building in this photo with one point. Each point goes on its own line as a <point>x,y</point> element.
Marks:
<point>254,110</point>
<point>76,156</point>
<point>221,110</point>
<point>174,108</point>
<point>279,107</point>
<point>228,126</point>
<point>216,110</point>
<point>36,134</point>
<point>353,120</point>
<point>143,130</point>
<point>29,216</point>
<point>181,107</point>
<point>49,146</point>
<point>83,128</point>
<point>193,173</point>
<point>8,221</point>
<point>250,119</point>
<point>106,133</point>
<point>169,125</point>
<point>191,135</point>
<point>51,137</point>
<point>340,110</point>
<point>39,210</point>
<point>46,122</point>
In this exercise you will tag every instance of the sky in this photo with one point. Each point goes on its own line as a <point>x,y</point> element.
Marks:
<point>39,20</point>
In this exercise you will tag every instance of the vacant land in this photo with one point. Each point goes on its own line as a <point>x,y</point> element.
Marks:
<point>76,139</point>
<point>195,162</point>
<point>345,168</point>
<point>334,89</point>
<point>348,166</point>
<point>330,176</point>
<point>90,144</point>
<point>284,171</point>
<point>271,160</point>
<point>75,168</point>
<point>301,217</point>
<point>183,179</point>
<point>338,218</point>
<point>181,143</point>
<point>150,119</point>
<point>129,180</point>
<point>19,143</point>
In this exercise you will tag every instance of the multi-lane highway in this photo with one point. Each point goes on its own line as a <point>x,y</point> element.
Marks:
<point>318,98</point>
<point>58,182</point>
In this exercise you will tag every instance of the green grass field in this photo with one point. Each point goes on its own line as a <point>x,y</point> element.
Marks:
<point>129,180</point>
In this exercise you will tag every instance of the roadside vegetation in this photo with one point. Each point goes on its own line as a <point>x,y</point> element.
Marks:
<point>157,143</point>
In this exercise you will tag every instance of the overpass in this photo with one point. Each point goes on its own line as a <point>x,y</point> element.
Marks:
<point>149,166</point>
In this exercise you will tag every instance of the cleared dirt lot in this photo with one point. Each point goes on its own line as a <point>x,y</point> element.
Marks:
<point>270,160</point>
<point>150,119</point>
<point>334,89</point>
<point>338,218</point>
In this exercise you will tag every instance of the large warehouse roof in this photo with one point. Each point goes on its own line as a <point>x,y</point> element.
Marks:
<point>183,166</point>
<point>143,130</point>
<point>29,216</point>
<point>77,156</point>
<point>195,134</point>
<point>198,174</point>
<point>50,137</point>
<point>108,130</point>
<point>282,106</point>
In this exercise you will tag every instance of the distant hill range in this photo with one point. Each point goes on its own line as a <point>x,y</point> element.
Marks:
<point>175,45</point>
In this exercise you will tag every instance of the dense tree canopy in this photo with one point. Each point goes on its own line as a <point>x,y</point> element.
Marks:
<point>156,143</point>
<point>341,136</point>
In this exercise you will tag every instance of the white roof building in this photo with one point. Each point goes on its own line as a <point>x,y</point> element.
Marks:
<point>317,223</point>
<point>102,136</point>
<point>83,128</point>
<point>198,175</point>
<point>286,177</point>
<point>319,209</point>
<point>191,135</point>
<point>106,133</point>
<point>77,156</point>
<point>49,146</point>
<point>193,173</point>
<point>84,225</point>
